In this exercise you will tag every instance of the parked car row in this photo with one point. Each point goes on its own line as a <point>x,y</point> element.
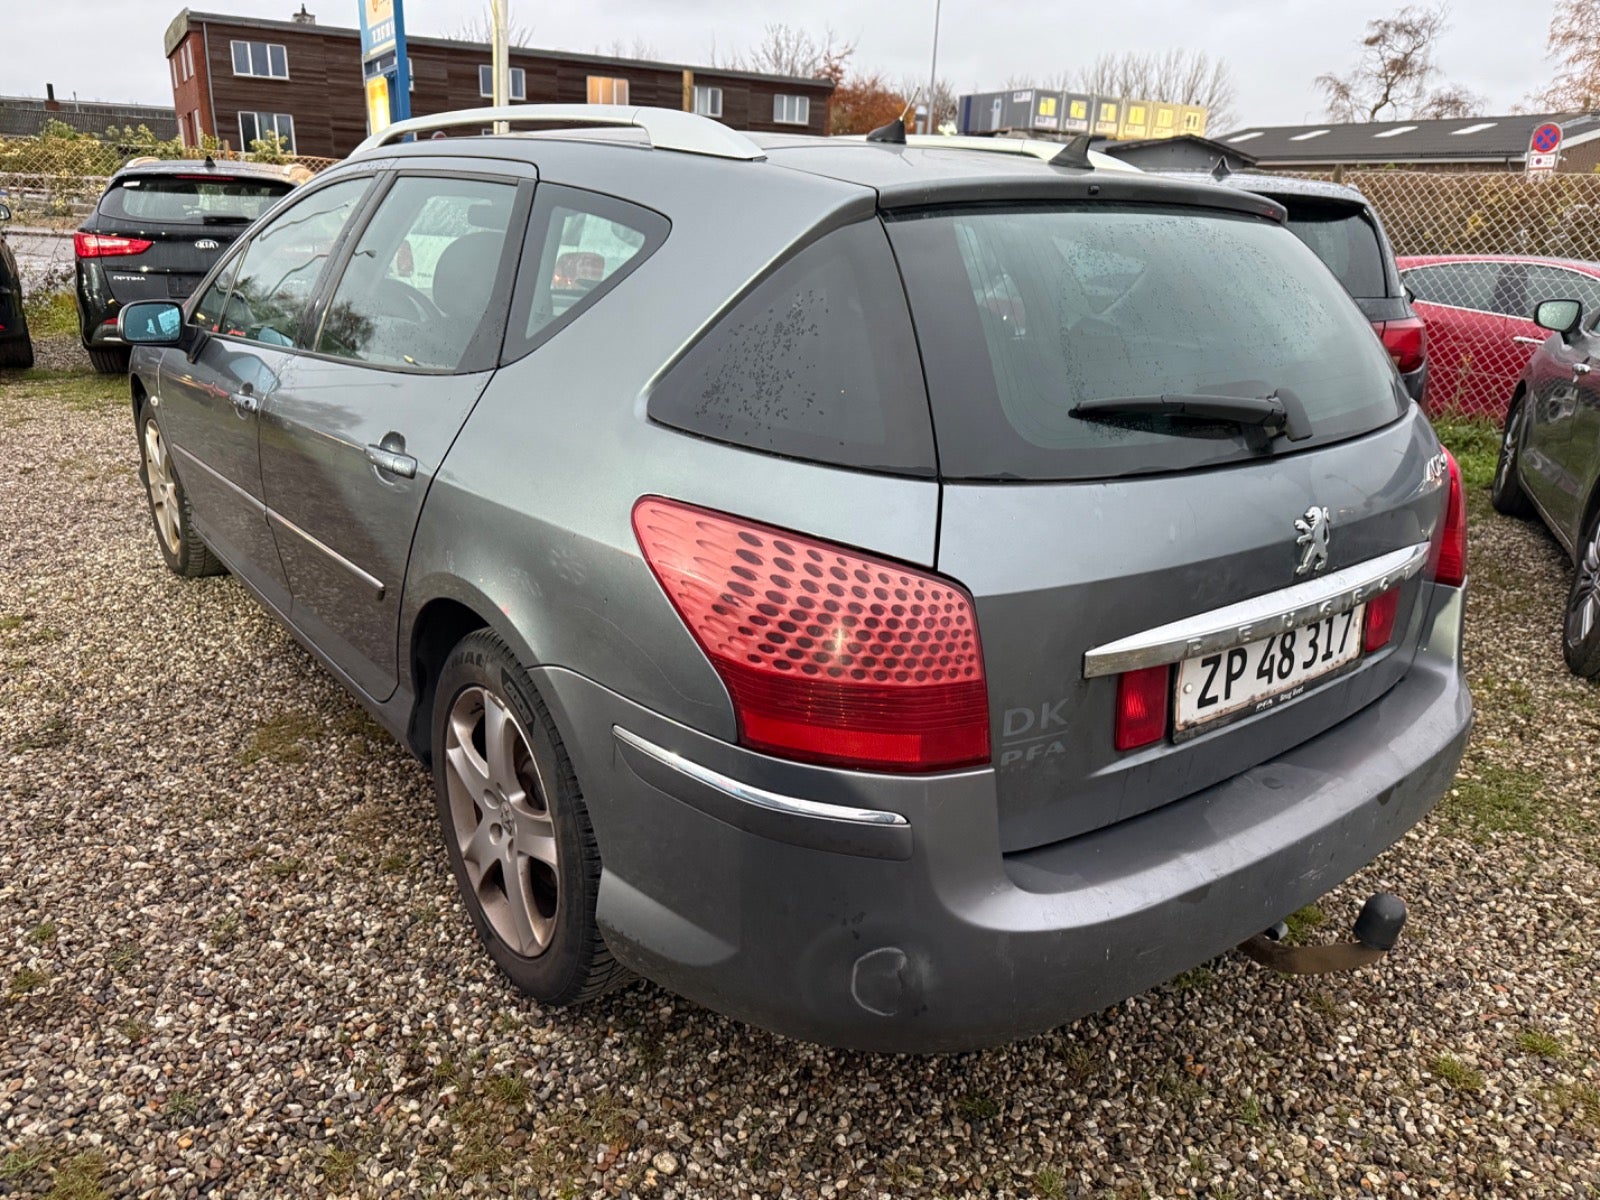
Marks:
<point>16,347</point>
<point>979,585</point>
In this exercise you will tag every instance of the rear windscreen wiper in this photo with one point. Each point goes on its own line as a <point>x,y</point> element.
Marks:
<point>1276,415</point>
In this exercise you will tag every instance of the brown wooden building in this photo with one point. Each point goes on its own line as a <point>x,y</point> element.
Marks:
<point>238,78</point>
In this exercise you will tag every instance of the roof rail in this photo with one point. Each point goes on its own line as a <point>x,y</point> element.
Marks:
<point>667,128</point>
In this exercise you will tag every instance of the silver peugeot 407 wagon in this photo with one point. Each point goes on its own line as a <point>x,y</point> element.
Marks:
<point>902,594</point>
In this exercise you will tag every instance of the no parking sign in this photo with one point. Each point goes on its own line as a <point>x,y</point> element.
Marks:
<point>1544,149</point>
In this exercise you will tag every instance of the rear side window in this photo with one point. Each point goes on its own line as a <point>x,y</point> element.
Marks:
<point>1474,285</point>
<point>1024,312</point>
<point>579,246</point>
<point>1344,239</point>
<point>201,200</point>
<point>817,361</point>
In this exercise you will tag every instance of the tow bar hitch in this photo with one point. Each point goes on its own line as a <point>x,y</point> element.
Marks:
<point>1376,931</point>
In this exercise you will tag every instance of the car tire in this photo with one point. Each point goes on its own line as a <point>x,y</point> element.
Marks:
<point>185,551</point>
<point>17,354</point>
<point>1580,630</point>
<point>1506,493</point>
<point>515,827</point>
<point>112,360</point>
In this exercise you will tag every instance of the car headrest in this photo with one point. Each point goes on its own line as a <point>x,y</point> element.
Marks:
<point>465,273</point>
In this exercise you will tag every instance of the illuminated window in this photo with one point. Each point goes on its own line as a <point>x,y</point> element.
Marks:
<point>605,90</point>
<point>1108,112</point>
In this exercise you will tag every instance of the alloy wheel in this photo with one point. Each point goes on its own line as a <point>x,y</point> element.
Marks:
<point>1508,451</point>
<point>500,812</point>
<point>1583,611</point>
<point>163,489</point>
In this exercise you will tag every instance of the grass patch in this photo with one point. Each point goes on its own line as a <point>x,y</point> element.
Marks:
<point>1303,922</point>
<point>1456,1074</point>
<point>22,1162</point>
<point>1249,1112</point>
<point>7,624</point>
<point>509,1090</point>
<point>51,314</point>
<point>225,930</point>
<point>281,738</point>
<point>1516,697</point>
<point>183,1105</point>
<point>79,1179</point>
<point>1488,799</point>
<point>1476,445</point>
<point>124,958</point>
<point>133,1029</point>
<point>482,1149</point>
<point>283,868</point>
<point>27,980</point>
<point>977,1106</point>
<point>1579,1102</point>
<point>339,1167</point>
<point>1537,1041</point>
<point>51,732</point>
<point>43,932</point>
<point>1050,1184</point>
<point>1195,977</point>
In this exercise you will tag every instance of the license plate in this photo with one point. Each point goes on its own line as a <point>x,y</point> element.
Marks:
<point>1255,677</point>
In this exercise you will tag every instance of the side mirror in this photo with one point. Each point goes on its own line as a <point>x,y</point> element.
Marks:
<point>5,212</point>
<point>1559,316</point>
<point>151,323</point>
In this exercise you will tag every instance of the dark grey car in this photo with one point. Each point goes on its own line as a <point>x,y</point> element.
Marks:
<point>1550,462</point>
<point>903,597</point>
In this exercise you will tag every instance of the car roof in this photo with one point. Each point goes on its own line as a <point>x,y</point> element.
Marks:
<point>228,169</point>
<point>920,171</point>
<point>1407,261</point>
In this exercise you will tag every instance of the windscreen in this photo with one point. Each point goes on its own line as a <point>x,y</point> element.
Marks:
<point>1023,313</point>
<point>208,200</point>
<point>1345,240</point>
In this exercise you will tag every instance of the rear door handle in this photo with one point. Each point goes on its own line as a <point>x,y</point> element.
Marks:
<point>1581,368</point>
<point>392,463</point>
<point>1527,341</point>
<point>244,400</point>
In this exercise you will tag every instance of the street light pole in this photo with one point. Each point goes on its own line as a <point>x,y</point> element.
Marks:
<point>500,59</point>
<point>933,69</point>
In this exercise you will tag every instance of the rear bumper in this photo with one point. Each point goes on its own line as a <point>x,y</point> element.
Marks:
<point>917,934</point>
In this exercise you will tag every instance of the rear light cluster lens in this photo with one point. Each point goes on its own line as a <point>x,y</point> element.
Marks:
<point>829,656</point>
<point>1405,340</point>
<point>1143,698</point>
<point>1450,546</point>
<point>1378,624</point>
<point>104,245</point>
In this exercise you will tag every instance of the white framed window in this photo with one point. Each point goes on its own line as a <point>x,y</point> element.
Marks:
<point>516,85</point>
<point>268,60</point>
<point>605,90</point>
<point>708,101</point>
<point>791,110</point>
<point>256,125</point>
<point>175,79</point>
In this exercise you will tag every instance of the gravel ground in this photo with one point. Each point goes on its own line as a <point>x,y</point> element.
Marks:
<point>232,963</point>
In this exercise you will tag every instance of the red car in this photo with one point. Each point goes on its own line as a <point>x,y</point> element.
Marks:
<point>1479,312</point>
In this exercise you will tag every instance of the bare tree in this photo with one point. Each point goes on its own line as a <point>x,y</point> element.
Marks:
<point>944,99</point>
<point>1176,76</point>
<point>1573,43</point>
<point>1394,69</point>
<point>638,48</point>
<point>785,50</point>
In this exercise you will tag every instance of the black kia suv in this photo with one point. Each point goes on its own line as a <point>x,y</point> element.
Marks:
<point>156,231</point>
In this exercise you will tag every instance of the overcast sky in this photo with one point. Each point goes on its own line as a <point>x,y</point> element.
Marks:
<point>111,49</point>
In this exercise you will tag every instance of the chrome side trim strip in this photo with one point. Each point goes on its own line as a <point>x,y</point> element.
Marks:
<point>256,506</point>
<point>749,794</point>
<point>1237,624</point>
<point>371,581</point>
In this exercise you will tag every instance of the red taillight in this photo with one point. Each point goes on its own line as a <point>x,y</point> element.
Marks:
<point>105,245</point>
<point>1406,341</point>
<point>829,656</point>
<point>1378,624</point>
<point>1450,545</point>
<point>1142,699</point>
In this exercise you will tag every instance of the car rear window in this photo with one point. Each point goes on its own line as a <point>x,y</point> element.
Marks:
<point>1023,312</point>
<point>1343,238</point>
<point>206,200</point>
<point>817,361</point>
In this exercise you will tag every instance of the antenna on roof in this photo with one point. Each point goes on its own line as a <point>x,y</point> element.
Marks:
<point>1075,153</point>
<point>1222,170</point>
<point>894,132</point>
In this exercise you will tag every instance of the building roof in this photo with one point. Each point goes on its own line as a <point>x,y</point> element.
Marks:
<point>25,116</point>
<point>1462,140</point>
<point>180,26</point>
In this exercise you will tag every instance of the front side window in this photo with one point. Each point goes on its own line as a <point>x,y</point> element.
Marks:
<point>605,90</point>
<point>580,245</point>
<point>265,59</point>
<point>1022,313</point>
<point>791,110</point>
<point>258,126</point>
<point>1560,283</point>
<point>416,291</point>
<point>708,101</point>
<point>516,83</point>
<point>817,361</point>
<point>280,267</point>
<point>208,310</point>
